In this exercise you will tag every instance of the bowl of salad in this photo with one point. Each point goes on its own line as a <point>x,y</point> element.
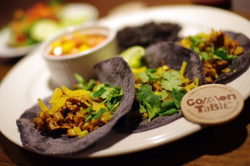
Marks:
<point>77,50</point>
<point>32,26</point>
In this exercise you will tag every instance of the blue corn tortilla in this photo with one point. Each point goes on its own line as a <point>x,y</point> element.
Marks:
<point>173,56</point>
<point>114,71</point>
<point>241,63</point>
<point>147,34</point>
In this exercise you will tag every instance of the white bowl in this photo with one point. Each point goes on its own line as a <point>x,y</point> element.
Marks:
<point>62,68</point>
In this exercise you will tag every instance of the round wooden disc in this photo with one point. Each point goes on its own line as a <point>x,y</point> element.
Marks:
<point>212,104</point>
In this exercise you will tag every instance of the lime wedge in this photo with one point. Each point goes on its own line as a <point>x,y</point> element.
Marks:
<point>133,55</point>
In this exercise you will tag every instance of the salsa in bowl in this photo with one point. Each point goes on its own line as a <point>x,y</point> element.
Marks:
<point>73,51</point>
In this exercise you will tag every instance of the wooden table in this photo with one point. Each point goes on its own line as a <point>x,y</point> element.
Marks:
<point>227,144</point>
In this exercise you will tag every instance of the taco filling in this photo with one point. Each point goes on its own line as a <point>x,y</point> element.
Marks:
<point>171,70</point>
<point>159,91</point>
<point>217,51</point>
<point>88,112</point>
<point>79,111</point>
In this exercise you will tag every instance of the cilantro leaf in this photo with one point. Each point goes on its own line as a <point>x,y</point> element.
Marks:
<point>117,88</point>
<point>79,78</point>
<point>146,94</point>
<point>171,80</point>
<point>108,91</point>
<point>171,75</point>
<point>142,109</point>
<point>153,77</point>
<point>90,110</point>
<point>163,94</point>
<point>151,71</point>
<point>195,40</point>
<point>92,114</point>
<point>104,91</point>
<point>147,108</point>
<point>142,93</point>
<point>148,75</point>
<point>151,111</point>
<point>169,112</point>
<point>149,100</point>
<point>171,84</point>
<point>222,53</point>
<point>99,92</point>
<point>114,96</point>
<point>99,113</point>
<point>177,96</point>
<point>205,56</point>
<point>167,104</point>
<point>88,117</point>
<point>82,84</point>
<point>114,108</point>
<point>143,76</point>
<point>195,43</point>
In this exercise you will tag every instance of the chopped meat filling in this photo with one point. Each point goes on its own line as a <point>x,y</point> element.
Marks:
<point>78,112</point>
<point>217,50</point>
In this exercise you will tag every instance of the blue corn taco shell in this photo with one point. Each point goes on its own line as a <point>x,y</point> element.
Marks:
<point>173,55</point>
<point>241,63</point>
<point>114,71</point>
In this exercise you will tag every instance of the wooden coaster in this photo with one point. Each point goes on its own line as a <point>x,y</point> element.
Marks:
<point>212,104</point>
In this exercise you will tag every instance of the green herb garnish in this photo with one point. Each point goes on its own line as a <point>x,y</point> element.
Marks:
<point>148,100</point>
<point>171,80</point>
<point>165,103</point>
<point>92,114</point>
<point>220,53</point>
<point>83,84</point>
<point>111,96</point>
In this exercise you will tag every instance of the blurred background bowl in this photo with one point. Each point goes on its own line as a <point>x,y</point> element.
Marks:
<point>62,68</point>
<point>70,14</point>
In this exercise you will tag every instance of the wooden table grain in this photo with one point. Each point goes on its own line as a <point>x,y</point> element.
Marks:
<point>223,145</point>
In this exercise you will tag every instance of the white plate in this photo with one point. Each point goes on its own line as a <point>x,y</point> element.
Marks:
<point>75,12</point>
<point>29,80</point>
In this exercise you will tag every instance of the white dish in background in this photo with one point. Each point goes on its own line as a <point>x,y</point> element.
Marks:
<point>11,52</point>
<point>72,13</point>
<point>29,80</point>
<point>63,67</point>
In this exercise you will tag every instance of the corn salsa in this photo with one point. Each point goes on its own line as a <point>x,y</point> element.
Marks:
<point>69,45</point>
